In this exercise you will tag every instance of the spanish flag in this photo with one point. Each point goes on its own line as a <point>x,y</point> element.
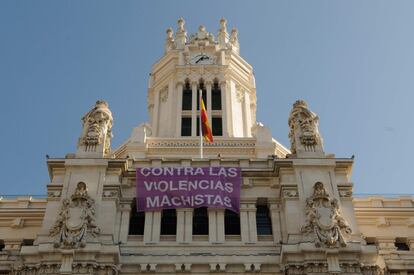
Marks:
<point>205,126</point>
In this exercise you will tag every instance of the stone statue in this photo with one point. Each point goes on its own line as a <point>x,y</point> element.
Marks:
<point>304,133</point>
<point>324,220</point>
<point>76,220</point>
<point>97,125</point>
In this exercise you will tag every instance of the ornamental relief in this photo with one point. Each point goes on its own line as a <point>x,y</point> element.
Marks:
<point>324,220</point>
<point>76,220</point>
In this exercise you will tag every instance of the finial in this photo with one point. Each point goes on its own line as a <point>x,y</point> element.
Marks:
<point>234,32</point>
<point>169,32</point>
<point>181,23</point>
<point>223,25</point>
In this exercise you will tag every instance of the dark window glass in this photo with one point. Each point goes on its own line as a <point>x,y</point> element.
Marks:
<point>198,126</point>
<point>136,220</point>
<point>231,223</point>
<point>371,240</point>
<point>187,97</point>
<point>401,245</point>
<point>263,221</point>
<point>1,245</point>
<point>28,242</point>
<point>204,96</point>
<point>216,97</point>
<point>217,125</point>
<point>168,222</point>
<point>186,126</point>
<point>200,221</point>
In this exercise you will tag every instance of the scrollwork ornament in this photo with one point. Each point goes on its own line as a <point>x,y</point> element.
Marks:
<point>324,220</point>
<point>76,220</point>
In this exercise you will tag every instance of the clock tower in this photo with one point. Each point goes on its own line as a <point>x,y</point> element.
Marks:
<point>210,63</point>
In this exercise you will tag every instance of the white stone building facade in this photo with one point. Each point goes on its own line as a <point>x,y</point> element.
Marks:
<point>297,210</point>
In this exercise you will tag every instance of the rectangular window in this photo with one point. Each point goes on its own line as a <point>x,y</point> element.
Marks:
<point>187,99</point>
<point>186,126</point>
<point>216,98</point>
<point>217,125</point>
<point>263,220</point>
<point>168,222</point>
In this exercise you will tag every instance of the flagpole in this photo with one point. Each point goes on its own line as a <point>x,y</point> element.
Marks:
<point>200,125</point>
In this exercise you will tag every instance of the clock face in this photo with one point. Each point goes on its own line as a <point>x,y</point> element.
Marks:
<point>201,59</point>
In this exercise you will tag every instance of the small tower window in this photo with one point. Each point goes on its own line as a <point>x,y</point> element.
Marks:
<point>401,244</point>
<point>168,222</point>
<point>263,221</point>
<point>231,223</point>
<point>217,126</point>
<point>2,246</point>
<point>186,126</point>
<point>216,97</point>
<point>136,220</point>
<point>187,97</point>
<point>200,221</point>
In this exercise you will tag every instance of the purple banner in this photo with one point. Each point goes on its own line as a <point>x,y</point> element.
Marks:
<point>188,187</point>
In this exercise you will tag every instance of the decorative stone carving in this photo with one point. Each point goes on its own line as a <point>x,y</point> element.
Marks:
<point>324,219</point>
<point>222,35</point>
<point>169,40</point>
<point>304,132</point>
<point>234,40</point>
<point>202,36</point>
<point>181,35</point>
<point>76,220</point>
<point>239,94</point>
<point>164,95</point>
<point>97,125</point>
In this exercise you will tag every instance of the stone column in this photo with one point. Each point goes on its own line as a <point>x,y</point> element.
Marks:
<point>179,108</point>
<point>194,110</point>
<point>152,228</point>
<point>124,226</point>
<point>184,225</point>
<point>208,88</point>
<point>248,228</point>
<point>275,217</point>
<point>216,225</point>
<point>156,113</point>
<point>248,115</point>
<point>224,108</point>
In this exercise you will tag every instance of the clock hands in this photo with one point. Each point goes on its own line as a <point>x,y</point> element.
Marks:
<point>204,57</point>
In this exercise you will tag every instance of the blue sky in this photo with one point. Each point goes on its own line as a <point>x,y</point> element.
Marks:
<point>352,61</point>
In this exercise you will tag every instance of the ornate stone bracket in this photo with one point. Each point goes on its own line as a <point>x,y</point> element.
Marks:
<point>324,220</point>
<point>76,220</point>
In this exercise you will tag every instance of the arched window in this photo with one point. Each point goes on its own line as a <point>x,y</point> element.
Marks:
<point>231,223</point>
<point>136,220</point>
<point>263,220</point>
<point>200,221</point>
<point>168,222</point>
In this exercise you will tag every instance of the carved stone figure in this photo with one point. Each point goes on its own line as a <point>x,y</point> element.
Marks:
<point>76,220</point>
<point>97,125</point>
<point>324,220</point>
<point>304,132</point>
